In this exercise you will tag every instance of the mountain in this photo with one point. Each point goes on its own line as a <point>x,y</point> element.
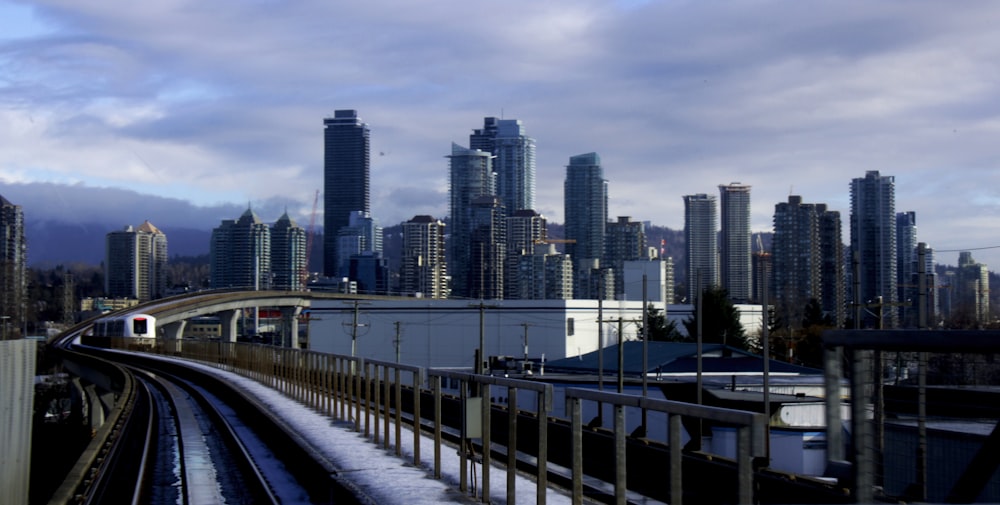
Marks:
<point>52,243</point>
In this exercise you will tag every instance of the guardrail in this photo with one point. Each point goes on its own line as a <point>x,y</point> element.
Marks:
<point>751,438</point>
<point>369,394</point>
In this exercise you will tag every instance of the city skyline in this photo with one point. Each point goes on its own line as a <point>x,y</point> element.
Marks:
<point>687,96</point>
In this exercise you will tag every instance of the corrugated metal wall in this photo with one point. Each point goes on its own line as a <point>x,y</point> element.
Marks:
<point>17,394</point>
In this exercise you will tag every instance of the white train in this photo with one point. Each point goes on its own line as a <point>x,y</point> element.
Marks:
<point>131,325</point>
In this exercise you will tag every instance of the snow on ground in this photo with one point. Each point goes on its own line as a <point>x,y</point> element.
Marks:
<point>385,478</point>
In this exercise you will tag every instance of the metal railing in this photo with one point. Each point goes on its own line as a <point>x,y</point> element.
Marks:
<point>751,438</point>
<point>368,395</point>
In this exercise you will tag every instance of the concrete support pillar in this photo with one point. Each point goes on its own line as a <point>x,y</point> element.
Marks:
<point>228,318</point>
<point>174,331</point>
<point>290,326</point>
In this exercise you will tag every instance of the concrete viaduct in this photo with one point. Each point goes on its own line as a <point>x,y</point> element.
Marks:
<point>172,314</point>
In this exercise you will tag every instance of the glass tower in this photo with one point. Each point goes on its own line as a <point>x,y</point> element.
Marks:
<point>346,168</point>
<point>700,221</point>
<point>513,163</point>
<point>873,248</point>
<point>585,204</point>
<point>735,267</point>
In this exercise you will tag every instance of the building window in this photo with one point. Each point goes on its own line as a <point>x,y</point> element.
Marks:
<point>569,327</point>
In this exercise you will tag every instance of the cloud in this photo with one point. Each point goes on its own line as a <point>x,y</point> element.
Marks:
<point>218,104</point>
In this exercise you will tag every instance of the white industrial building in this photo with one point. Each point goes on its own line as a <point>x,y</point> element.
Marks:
<point>446,333</point>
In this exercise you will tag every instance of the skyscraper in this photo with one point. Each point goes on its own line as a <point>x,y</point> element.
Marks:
<point>906,269</point>
<point>135,263</point>
<point>972,304</point>
<point>526,230</point>
<point>624,240</point>
<point>807,261</point>
<point>346,167</point>
<point>873,247</point>
<point>489,249</point>
<point>288,254</point>
<point>513,163</point>
<point>700,221</point>
<point>735,267</point>
<point>362,235</point>
<point>240,255</point>
<point>13,265</point>
<point>586,215</point>
<point>424,265</point>
<point>471,176</point>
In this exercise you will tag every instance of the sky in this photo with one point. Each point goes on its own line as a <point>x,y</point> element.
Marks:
<point>220,105</point>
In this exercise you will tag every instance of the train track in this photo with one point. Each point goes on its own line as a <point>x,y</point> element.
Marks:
<point>183,436</point>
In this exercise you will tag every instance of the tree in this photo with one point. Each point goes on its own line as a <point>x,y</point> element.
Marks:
<point>721,321</point>
<point>661,329</point>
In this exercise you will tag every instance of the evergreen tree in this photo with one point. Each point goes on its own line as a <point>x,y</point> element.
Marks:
<point>721,321</point>
<point>661,329</point>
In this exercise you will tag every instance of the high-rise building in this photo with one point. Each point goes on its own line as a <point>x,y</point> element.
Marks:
<point>906,268</point>
<point>734,246</point>
<point>361,235</point>
<point>873,247</point>
<point>13,266</point>
<point>135,263</point>
<point>513,160</point>
<point>471,177</point>
<point>240,255</point>
<point>807,262</point>
<point>972,289</point>
<point>624,240</point>
<point>586,215</point>
<point>424,266</point>
<point>489,248</point>
<point>288,254</point>
<point>700,222</point>
<point>346,172</point>
<point>544,275</point>
<point>526,230</point>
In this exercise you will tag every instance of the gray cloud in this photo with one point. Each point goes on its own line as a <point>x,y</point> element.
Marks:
<point>221,104</point>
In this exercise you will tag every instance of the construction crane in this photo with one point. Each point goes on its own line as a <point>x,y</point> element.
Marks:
<point>310,233</point>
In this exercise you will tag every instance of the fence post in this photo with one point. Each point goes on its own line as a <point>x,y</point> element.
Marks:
<point>399,412</point>
<point>436,385</point>
<point>544,405</point>
<point>377,389</point>
<point>487,440</point>
<point>744,468</point>
<point>511,441</point>
<point>676,461</point>
<point>385,412</point>
<point>418,380</point>
<point>576,414</point>
<point>620,466</point>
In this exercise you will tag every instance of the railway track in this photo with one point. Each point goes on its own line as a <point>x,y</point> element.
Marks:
<point>197,456</point>
<point>183,436</point>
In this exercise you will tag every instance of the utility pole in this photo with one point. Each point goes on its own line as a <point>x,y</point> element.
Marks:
<point>525,326</point>
<point>397,341</point>
<point>479,368</point>
<point>354,326</point>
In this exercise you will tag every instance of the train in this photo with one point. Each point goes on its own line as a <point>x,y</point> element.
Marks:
<point>129,325</point>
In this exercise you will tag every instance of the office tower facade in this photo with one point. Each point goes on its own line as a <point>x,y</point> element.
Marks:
<point>361,235</point>
<point>906,268</point>
<point>240,255</point>
<point>807,262</point>
<point>513,160</point>
<point>545,274</point>
<point>370,270</point>
<point>624,240</point>
<point>971,306</point>
<point>13,266</point>
<point>734,246</point>
<point>424,266</point>
<point>700,223</point>
<point>135,263</point>
<point>489,248</point>
<point>526,230</point>
<point>873,248</point>
<point>471,176</point>
<point>288,255</point>
<point>346,173</point>
<point>585,207</point>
